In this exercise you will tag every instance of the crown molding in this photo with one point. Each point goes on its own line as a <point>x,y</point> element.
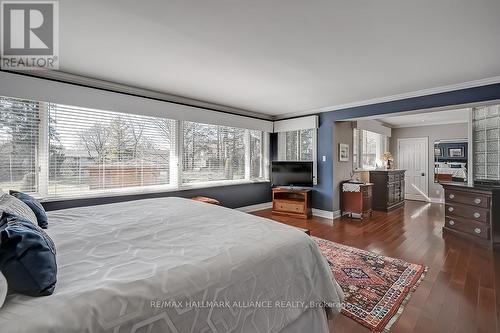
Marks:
<point>66,77</point>
<point>430,123</point>
<point>417,93</point>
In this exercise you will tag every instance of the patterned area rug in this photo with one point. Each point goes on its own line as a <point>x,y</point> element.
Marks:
<point>376,287</point>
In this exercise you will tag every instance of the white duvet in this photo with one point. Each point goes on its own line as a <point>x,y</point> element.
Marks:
<point>174,265</point>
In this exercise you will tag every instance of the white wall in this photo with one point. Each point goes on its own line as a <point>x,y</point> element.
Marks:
<point>434,133</point>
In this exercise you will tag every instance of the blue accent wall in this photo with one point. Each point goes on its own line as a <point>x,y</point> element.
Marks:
<point>322,197</point>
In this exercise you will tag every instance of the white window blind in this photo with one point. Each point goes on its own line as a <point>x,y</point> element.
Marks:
<point>296,145</point>
<point>94,150</point>
<point>19,137</point>
<point>296,124</point>
<point>54,150</point>
<point>368,149</point>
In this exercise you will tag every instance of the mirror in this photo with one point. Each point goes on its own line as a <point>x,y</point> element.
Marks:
<point>450,160</point>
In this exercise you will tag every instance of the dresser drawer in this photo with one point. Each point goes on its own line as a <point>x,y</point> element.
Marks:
<point>471,227</point>
<point>468,212</point>
<point>472,199</point>
<point>289,207</point>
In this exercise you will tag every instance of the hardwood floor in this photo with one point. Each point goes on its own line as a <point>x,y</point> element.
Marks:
<point>461,291</point>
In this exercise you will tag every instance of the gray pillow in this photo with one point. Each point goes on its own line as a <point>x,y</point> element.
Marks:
<point>10,204</point>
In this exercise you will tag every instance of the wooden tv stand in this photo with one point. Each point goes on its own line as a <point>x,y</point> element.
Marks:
<point>292,202</point>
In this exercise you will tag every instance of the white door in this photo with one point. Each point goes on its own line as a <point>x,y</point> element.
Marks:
<point>413,156</point>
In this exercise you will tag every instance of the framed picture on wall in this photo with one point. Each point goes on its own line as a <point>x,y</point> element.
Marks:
<point>456,152</point>
<point>343,152</point>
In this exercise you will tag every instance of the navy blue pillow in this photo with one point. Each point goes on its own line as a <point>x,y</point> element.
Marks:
<point>455,166</point>
<point>35,206</point>
<point>27,257</point>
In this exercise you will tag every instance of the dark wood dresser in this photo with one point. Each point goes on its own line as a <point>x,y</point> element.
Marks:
<point>388,189</point>
<point>354,201</point>
<point>472,212</point>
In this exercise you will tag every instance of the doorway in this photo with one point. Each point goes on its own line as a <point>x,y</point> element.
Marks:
<point>413,156</point>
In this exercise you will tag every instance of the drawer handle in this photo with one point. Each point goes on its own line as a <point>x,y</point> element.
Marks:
<point>450,209</point>
<point>477,231</point>
<point>477,201</point>
<point>451,196</point>
<point>451,222</point>
<point>477,215</point>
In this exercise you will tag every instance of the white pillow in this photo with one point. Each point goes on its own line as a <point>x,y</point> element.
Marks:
<point>3,289</point>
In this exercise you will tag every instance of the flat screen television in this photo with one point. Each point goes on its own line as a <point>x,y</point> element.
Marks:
<point>292,174</point>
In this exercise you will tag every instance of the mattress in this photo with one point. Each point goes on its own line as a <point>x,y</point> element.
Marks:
<point>175,265</point>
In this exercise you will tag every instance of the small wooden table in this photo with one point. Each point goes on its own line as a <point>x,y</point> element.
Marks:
<point>357,202</point>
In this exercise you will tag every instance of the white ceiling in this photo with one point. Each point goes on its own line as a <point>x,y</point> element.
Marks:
<point>429,118</point>
<point>280,57</point>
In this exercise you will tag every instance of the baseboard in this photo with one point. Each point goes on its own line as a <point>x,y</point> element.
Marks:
<point>416,197</point>
<point>267,205</point>
<point>326,213</point>
<point>430,199</point>
<point>425,198</point>
<point>254,208</point>
<point>436,200</point>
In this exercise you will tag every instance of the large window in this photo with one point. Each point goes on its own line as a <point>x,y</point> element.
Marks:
<point>101,150</point>
<point>368,149</point>
<point>54,150</point>
<point>212,152</point>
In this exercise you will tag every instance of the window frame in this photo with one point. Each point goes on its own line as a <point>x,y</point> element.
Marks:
<point>221,182</point>
<point>358,136</point>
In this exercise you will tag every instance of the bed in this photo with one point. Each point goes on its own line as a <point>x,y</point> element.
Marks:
<point>177,265</point>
